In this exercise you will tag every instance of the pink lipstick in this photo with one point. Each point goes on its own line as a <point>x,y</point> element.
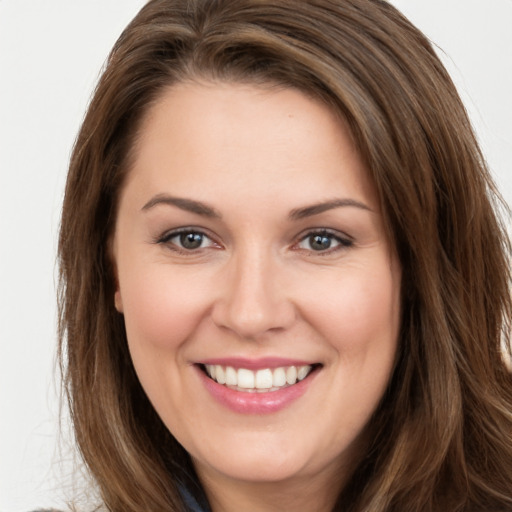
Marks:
<point>260,386</point>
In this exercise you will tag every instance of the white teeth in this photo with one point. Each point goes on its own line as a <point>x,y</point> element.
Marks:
<point>291,375</point>
<point>231,377</point>
<point>220,375</point>
<point>266,379</point>
<point>279,378</point>
<point>245,378</point>
<point>302,372</point>
<point>210,369</point>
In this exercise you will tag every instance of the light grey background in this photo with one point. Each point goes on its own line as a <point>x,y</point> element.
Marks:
<point>51,53</point>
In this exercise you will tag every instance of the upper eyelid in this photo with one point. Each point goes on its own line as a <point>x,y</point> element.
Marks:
<point>169,234</point>
<point>344,242</point>
<point>325,231</point>
<point>165,240</point>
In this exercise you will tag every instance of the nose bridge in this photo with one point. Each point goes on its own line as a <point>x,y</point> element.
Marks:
<point>253,300</point>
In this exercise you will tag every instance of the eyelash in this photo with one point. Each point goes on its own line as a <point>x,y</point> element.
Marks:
<point>166,238</point>
<point>342,242</point>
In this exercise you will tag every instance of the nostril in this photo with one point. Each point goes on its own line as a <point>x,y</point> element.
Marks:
<point>250,319</point>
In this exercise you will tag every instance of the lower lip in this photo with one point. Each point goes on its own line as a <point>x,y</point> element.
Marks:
<point>256,403</point>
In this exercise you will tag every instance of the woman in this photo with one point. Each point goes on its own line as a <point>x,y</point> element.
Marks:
<point>284,286</point>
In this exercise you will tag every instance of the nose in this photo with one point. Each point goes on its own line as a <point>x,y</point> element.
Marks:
<point>252,299</point>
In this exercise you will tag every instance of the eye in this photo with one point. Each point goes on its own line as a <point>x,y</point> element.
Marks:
<point>323,241</point>
<point>187,240</point>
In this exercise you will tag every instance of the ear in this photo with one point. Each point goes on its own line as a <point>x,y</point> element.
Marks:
<point>118,301</point>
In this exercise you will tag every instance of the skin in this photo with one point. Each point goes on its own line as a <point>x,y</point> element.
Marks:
<point>256,287</point>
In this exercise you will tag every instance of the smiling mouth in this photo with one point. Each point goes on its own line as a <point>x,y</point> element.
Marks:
<point>259,381</point>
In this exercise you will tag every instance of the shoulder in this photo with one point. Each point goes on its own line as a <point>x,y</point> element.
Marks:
<point>46,510</point>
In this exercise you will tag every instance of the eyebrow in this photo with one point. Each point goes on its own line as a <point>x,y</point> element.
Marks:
<point>188,205</point>
<point>315,209</point>
<point>205,210</point>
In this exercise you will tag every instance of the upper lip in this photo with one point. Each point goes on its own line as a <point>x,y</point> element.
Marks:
<point>256,364</point>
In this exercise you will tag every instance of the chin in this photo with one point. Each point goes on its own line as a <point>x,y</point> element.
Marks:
<point>260,468</point>
<point>266,460</point>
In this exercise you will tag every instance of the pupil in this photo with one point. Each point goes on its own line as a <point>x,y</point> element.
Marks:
<point>191,240</point>
<point>320,242</point>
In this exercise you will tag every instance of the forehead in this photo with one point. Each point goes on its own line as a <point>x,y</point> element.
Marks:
<point>261,139</point>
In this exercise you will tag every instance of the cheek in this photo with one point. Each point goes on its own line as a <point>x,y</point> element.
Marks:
<point>161,306</point>
<point>359,308</point>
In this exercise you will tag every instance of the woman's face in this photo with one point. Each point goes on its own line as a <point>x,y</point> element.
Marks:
<point>249,245</point>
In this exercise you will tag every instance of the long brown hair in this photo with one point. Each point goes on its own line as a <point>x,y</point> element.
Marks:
<point>442,436</point>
